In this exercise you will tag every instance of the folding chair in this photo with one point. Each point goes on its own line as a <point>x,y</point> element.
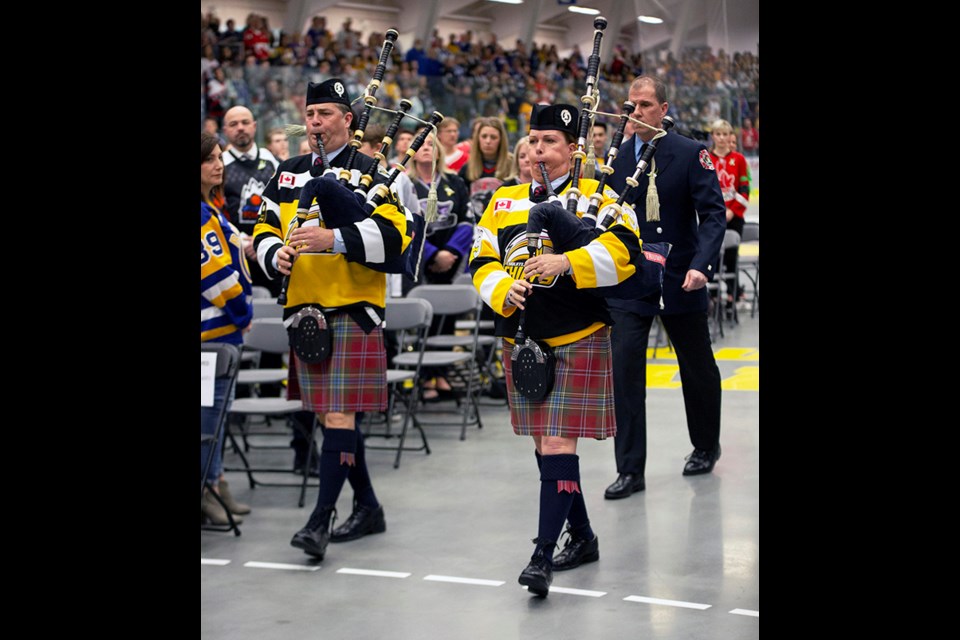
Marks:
<point>460,367</point>
<point>269,335</point>
<point>749,261</point>
<point>486,341</point>
<point>228,364</point>
<point>723,284</point>
<point>405,315</point>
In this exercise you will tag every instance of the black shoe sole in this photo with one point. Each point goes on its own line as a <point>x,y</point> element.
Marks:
<point>309,549</point>
<point>590,557</point>
<point>699,472</point>
<point>535,586</point>
<point>620,496</point>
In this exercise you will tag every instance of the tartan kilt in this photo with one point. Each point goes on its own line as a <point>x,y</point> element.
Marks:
<point>353,378</point>
<point>581,402</point>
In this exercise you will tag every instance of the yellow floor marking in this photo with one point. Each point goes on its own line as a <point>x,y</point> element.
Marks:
<point>660,376</point>
<point>663,353</point>
<point>724,353</point>
<point>743,379</point>
<point>737,353</point>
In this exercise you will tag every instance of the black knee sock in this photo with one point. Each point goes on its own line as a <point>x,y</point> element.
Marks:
<point>579,522</point>
<point>337,457</point>
<point>559,480</point>
<point>359,477</point>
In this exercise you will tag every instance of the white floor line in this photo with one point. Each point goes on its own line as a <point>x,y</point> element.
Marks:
<point>477,581</point>
<point>370,572</point>
<point>577,592</point>
<point>281,566</point>
<point>669,603</point>
<point>486,583</point>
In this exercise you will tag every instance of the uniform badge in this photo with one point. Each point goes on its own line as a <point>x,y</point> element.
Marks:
<point>654,257</point>
<point>503,204</point>
<point>286,179</point>
<point>705,161</point>
<point>338,88</point>
<point>566,117</point>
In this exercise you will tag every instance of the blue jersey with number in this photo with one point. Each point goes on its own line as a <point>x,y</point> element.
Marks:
<point>225,290</point>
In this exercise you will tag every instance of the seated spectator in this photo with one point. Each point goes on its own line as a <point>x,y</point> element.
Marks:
<point>522,167</point>
<point>749,138</point>
<point>448,238</point>
<point>489,165</point>
<point>225,313</point>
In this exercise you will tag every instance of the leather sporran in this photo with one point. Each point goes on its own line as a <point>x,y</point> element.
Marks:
<point>310,335</point>
<point>533,366</point>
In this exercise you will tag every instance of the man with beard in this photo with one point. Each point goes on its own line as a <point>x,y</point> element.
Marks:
<point>247,170</point>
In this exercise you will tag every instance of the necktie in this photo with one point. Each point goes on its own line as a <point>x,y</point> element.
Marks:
<point>539,194</point>
<point>318,162</point>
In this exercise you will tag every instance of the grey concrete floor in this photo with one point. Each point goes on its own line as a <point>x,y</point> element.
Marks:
<point>469,510</point>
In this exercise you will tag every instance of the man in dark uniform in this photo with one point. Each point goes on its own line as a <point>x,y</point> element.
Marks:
<point>331,273</point>
<point>688,192</point>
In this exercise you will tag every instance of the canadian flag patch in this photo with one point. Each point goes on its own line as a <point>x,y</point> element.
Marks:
<point>705,160</point>
<point>503,204</point>
<point>286,179</point>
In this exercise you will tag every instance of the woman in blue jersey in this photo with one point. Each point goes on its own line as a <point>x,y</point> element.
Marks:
<point>561,313</point>
<point>226,309</point>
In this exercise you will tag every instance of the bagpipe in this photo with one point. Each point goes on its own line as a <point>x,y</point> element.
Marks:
<point>568,231</point>
<point>345,196</point>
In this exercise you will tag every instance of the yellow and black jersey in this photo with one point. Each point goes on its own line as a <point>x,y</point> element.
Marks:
<point>330,280</point>
<point>560,310</point>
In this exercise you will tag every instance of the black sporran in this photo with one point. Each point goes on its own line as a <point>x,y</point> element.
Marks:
<point>533,366</point>
<point>310,336</point>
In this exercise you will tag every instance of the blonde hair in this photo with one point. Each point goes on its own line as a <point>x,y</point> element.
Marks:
<point>525,140</point>
<point>720,124</point>
<point>475,163</point>
<point>438,156</point>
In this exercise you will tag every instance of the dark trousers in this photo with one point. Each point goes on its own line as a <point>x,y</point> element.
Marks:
<point>699,376</point>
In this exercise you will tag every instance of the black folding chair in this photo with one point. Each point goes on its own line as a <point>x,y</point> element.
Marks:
<point>227,368</point>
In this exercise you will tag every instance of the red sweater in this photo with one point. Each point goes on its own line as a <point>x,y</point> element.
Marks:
<point>734,175</point>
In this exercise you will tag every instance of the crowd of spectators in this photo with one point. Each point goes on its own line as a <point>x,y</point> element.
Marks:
<point>267,70</point>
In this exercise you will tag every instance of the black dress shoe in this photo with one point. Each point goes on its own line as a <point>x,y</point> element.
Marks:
<point>576,551</point>
<point>363,521</point>
<point>701,461</point>
<point>624,486</point>
<point>538,575</point>
<point>314,537</point>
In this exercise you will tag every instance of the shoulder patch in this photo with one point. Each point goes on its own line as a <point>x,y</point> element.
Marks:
<point>286,179</point>
<point>705,161</point>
